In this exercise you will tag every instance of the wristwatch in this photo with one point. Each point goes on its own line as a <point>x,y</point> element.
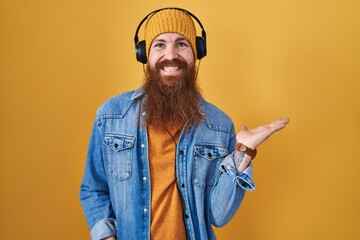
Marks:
<point>242,148</point>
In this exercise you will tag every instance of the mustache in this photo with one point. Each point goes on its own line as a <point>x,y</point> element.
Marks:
<point>177,62</point>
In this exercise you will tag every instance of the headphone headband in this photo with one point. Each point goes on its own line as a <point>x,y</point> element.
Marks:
<point>200,41</point>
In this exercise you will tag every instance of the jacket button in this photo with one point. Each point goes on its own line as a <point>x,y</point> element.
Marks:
<point>181,152</point>
<point>186,216</point>
<point>182,185</point>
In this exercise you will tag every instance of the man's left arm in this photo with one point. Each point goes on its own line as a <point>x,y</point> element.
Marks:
<point>236,176</point>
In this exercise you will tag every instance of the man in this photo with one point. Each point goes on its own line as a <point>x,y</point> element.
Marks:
<point>162,162</point>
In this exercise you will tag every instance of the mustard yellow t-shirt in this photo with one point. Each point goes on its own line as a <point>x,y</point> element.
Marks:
<point>166,206</point>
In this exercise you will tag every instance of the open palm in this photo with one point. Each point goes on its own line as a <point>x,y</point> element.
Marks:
<point>254,137</point>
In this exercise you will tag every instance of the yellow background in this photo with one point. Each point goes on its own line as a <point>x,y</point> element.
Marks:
<point>59,60</point>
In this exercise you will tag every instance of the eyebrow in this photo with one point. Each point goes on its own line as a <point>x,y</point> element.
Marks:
<point>176,40</point>
<point>180,39</point>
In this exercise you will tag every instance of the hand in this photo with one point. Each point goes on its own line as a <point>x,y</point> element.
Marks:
<point>110,238</point>
<point>254,137</point>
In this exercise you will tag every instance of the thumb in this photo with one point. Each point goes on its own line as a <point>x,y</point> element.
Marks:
<point>243,128</point>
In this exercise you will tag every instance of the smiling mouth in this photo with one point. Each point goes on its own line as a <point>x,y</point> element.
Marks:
<point>170,69</point>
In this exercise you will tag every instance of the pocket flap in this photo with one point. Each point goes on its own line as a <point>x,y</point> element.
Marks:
<point>210,151</point>
<point>118,142</point>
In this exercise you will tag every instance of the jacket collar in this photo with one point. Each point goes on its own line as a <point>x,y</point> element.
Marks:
<point>137,93</point>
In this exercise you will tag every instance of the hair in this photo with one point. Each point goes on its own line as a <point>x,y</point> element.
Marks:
<point>171,100</point>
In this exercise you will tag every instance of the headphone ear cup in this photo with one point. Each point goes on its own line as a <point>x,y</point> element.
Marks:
<point>200,47</point>
<point>140,49</point>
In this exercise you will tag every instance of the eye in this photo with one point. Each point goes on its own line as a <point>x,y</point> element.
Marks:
<point>182,44</point>
<point>159,45</point>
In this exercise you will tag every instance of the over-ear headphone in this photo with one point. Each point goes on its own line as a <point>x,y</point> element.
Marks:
<point>140,47</point>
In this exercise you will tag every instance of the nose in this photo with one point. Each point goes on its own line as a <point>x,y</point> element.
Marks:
<point>170,53</point>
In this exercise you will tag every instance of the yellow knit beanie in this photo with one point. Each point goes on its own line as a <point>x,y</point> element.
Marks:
<point>170,21</point>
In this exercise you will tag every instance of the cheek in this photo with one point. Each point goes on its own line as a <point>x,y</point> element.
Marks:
<point>190,62</point>
<point>189,58</point>
<point>153,59</point>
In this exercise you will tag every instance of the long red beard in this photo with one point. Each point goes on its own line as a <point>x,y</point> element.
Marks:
<point>171,101</point>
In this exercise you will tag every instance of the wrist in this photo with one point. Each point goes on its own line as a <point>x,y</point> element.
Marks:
<point>245,161</point>
<point>246,150</point>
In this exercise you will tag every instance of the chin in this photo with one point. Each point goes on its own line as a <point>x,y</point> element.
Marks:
<point>171,81</point>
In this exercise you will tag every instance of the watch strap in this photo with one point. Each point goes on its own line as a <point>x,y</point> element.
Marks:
<point>242,148</point>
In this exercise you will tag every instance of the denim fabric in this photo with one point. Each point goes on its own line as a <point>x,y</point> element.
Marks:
<point>116,189</point>
<point>244,179</point>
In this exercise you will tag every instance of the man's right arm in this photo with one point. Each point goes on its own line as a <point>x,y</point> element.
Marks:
<point>94,191</point>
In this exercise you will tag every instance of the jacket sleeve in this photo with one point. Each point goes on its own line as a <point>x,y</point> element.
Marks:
<point>229,191</point>
<point>94,190</point>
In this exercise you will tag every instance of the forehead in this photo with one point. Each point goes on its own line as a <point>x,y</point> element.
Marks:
<point>170,37</point>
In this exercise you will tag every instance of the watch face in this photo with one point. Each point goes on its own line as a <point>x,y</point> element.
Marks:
<point>242,148</point>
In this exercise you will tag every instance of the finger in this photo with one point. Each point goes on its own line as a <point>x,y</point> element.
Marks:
<point>279,124</point>
<point>243,128</point>
<point>284,120</point>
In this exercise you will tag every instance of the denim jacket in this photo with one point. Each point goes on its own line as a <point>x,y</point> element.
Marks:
<point>115,192</point>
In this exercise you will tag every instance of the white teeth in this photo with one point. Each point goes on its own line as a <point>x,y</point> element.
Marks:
<point>170,69</point>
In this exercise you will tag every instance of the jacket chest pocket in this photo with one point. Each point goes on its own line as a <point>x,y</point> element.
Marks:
<point>205,166</point>
<point>119,154</point>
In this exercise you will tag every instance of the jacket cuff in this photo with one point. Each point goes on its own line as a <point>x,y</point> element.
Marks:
<point>244,178</point>
<point>104,228</point>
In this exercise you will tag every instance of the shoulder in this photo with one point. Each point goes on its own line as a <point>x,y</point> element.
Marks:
<point>118,105</point>
<point>216,119</point>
